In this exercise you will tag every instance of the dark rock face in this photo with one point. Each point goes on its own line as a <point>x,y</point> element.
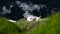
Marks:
<point>50,6</point>
<point>16,13</point>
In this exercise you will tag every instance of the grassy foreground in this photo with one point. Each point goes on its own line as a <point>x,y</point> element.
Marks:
<point>49,26</point>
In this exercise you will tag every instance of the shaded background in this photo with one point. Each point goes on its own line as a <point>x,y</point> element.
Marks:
<point>16,12</point>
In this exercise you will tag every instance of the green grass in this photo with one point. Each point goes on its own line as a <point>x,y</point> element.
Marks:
<point>49,26</point>
<point>8,27</point>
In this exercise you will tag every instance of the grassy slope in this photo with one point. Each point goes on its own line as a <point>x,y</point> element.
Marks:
<point>8,27</point>
<point>50,26</point>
